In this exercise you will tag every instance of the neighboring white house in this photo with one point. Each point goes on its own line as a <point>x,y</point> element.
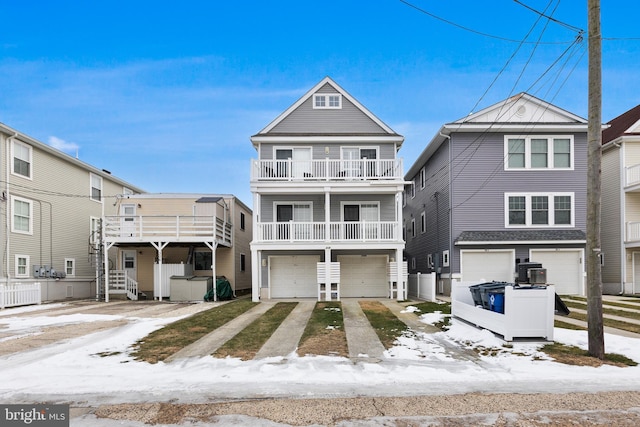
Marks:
<point>51,209</point>
<point>155,236</point>
<point>327,189</point>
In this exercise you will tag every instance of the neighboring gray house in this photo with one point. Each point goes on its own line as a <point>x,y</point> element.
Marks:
<point>620,229</point>
<point>327,192</point>
<point>501,186</point>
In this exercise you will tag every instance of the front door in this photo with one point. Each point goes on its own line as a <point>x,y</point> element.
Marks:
<point>127,220</point>
<point>130,263</point>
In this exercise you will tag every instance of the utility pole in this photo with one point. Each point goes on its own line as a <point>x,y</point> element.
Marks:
<point>594,161</point>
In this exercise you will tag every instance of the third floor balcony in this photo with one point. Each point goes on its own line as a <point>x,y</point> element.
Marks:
<point>326,170</point>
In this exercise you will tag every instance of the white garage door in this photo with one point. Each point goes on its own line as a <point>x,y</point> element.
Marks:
<point>487,266</point>
<point>564,269</point>
<point>363,276</point>
<point>293,276</point>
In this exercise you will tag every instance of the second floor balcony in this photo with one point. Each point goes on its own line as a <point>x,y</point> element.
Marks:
<point>343,231</point>
<point>632,176</point>
<point>166,228</point>
<point>326,170</point>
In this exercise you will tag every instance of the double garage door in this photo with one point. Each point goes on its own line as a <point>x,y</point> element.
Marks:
<point>565,269</point>
<point>295,276</point>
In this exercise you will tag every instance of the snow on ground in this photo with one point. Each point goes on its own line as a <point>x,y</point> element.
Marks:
<point>97,368</point>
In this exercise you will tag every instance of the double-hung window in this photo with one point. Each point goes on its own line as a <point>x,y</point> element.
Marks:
<point>539,210</point>
<point>70,267</point>
<point>538,152</point>
<point>22,215</point>
<point>22,159</point>
<point>96,187</point>
<point>22,266</point>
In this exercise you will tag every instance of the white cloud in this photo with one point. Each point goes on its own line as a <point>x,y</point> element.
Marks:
<point>62,145</point>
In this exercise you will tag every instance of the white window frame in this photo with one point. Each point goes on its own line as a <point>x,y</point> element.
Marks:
<point>445,258</point>
<point>27,266</point>
<point>423,222</point>
<point>126,191</point>
<point>423,180</point>
<point>15,199</point>
<point>91,187</point>
<point>528,211</point>
<point>527,152</point>
<point>413,227</point>
<point>359,203</point>
<point>15,143</point>
<point>429,261</point>
<point>73,267</point>
<point>323,101</point>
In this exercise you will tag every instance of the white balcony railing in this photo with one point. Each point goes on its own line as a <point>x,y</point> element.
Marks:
<point>632,175</point>
<point>166,228</point>
<point>633,231</point>
<point>374,231</point>
<point>326,170</point>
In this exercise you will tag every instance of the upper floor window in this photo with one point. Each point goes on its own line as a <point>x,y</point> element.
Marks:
<point>326,100</point>
<point>126,191</point>
<point>539,210</point>
<point>22,215</point>
<point>94,230</point>
<point>242,220</point>
<point>538,152</point>
<point>96,187</point>
<point>422,178</point>
<point>22,159</point>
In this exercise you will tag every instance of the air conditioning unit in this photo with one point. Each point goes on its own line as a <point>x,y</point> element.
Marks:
<point>537,276</point>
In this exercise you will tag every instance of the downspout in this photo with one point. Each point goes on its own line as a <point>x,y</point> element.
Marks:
<point>450,243</point>
<point>8,205</point>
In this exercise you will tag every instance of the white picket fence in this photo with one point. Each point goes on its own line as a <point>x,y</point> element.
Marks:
<point>15,294</point>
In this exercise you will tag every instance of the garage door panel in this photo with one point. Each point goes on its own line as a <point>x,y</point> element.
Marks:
<point>363,276</point>
<point>564,269</point>
<point>487,266</point>
<point>293,276</point>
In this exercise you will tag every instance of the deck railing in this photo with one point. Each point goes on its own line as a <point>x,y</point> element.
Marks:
<point>170,228</point>
<point>345,231</point>
<point>632,175</point>
<point>633,231</point>
<point>326,170</point>
<point>120,282</point>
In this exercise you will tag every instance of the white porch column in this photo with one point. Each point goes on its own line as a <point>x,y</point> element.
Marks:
<point>327,214</point>
<point>327,272</point>
<point>256,263</point>
<point>213,246</point>
<point>159,247</point>
<point>402,292</point>
<point>105,271</point>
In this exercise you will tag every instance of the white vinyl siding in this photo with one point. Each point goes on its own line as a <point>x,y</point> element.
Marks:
<point>539,210</point>
<point>22,215</point>
<point>22,159</point>
<point>539,152</point>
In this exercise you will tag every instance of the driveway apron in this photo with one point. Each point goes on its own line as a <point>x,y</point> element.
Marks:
<point>211,342</point>
<point>285,339</point>
<point>362,340</point>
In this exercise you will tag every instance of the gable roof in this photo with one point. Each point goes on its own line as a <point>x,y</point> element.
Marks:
<point>369,123</point>
<point>628,123</point>
<point>522,108</point>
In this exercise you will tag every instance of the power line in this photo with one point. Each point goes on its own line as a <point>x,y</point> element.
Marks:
<point>550,18</point>
<point>462,27</point>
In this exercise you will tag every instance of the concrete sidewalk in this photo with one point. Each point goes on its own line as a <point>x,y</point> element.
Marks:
<point>285,339</point>
<point>208,344</point>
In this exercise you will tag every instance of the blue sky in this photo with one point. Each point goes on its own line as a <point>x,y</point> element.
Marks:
<point>166,95</point>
